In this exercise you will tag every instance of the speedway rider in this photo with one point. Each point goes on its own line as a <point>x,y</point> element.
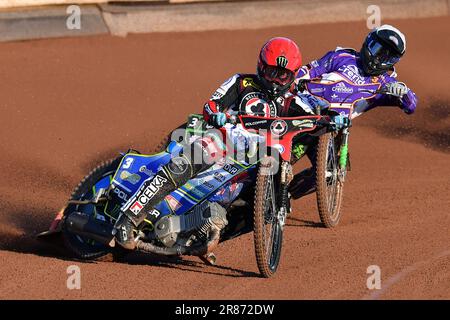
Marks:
<point>374,64</point>
<point>270,92</point>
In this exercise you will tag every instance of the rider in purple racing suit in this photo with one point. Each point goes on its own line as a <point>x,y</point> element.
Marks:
<point>343,78</point>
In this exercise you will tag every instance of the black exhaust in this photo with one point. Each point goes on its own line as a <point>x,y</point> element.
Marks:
<point>86,226</point>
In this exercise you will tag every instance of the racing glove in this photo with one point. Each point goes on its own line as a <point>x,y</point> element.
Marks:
<point>218,119</point>
<point>409,102</point>
<point>397,89</point>
<point>340,122</point>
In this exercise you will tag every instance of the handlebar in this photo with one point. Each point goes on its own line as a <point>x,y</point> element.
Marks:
<point>324,121</point>
<point>379,91</point>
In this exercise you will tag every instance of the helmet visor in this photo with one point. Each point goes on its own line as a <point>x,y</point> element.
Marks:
<point>278,75</point>
<point>382,55</point>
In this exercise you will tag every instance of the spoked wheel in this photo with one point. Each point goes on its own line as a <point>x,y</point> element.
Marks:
<point>81,247</point>
<point>165,140</point>
<point>329,180</point>
<point>268,232</point>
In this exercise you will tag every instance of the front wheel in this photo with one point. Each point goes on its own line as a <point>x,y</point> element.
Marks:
<point>329,180</point>
<point>268,232</point>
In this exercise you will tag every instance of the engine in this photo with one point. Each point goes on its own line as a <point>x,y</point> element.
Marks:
<point>194,226</point>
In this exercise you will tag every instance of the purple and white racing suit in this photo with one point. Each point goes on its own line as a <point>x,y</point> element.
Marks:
<point>339,79</point>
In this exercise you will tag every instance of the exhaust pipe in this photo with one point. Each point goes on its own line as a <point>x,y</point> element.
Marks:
<point>198,250</point>
<point>86,226</point>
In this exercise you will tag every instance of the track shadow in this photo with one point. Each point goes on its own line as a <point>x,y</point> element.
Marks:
<point>429,125</point>
<point>303,223</point>
<point>185,265</point>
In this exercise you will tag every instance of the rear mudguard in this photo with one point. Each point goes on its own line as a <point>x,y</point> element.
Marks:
<point>55,227</point>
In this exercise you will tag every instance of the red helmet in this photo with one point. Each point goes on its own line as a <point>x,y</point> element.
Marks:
<point>278,63</point>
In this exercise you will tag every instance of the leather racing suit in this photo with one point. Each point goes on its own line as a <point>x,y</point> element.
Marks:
<point>243,94</point>
<point>343,80</point>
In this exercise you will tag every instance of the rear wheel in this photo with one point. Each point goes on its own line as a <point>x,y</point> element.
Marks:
<point>330,186</point>
<point>165,141</point>
<point>82,247</point>
<point>268,233</point>
<point>162,145</point>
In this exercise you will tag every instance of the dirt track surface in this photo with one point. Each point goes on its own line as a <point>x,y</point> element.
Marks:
<point>67,104</point>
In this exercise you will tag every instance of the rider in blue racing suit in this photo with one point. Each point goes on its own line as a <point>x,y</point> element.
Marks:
<point>346,72</point>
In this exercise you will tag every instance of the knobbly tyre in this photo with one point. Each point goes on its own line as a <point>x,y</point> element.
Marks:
<point>333,158</point>
<point>186,221</point>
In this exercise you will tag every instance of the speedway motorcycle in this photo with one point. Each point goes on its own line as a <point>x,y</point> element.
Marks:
<point>333,158</point>
<point>222,202</point>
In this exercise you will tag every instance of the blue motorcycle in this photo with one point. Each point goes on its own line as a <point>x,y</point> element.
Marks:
<point>226,200</point>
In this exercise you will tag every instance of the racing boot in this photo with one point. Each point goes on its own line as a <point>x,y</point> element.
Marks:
<point>123,232</point>
<point>304,183</point>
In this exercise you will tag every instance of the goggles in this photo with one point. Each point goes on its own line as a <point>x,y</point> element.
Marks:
<point>382,55</point>
<point>278,75</point>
